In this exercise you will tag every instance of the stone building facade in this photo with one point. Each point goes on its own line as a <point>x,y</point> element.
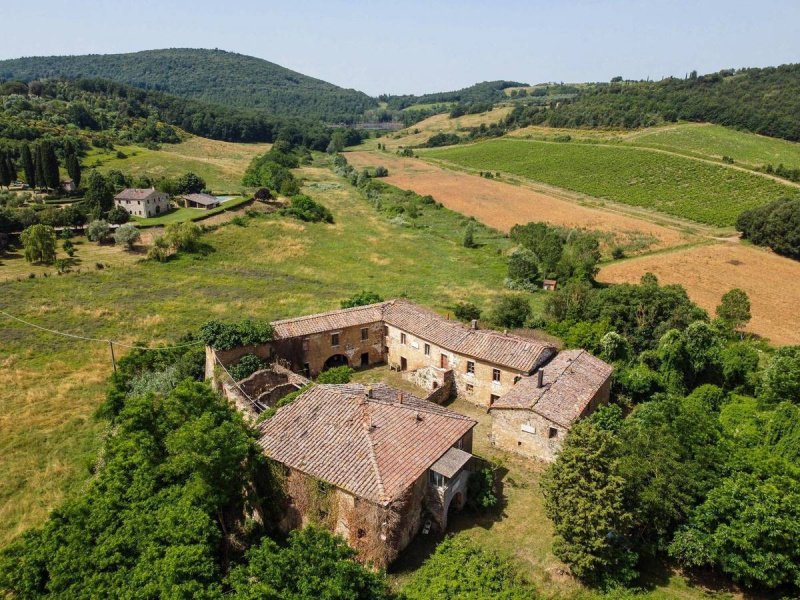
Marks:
<point>147,202</point>
<point>386,459</point>
<point>534,417</point>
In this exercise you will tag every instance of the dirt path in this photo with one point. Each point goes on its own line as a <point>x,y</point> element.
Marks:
<point>502,205</point>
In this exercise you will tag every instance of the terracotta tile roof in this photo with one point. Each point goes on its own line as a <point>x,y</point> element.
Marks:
<point>569,382</point>
<point>373,447</point>
<point>328,321</point>
<point>135,194</point>
<point>507,350</point>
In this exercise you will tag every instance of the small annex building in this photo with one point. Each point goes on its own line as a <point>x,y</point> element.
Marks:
<point>534,417</point>
<point>202,201</point>
<point>369,462</point>
<point>143,202</point>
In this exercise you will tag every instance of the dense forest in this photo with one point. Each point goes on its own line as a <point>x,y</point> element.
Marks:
<point>765,101</point>
<point>212,76</point>
<point>487,91</point>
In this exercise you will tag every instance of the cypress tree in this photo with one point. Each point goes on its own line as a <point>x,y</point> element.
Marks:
<point>41,180</point>
<point>73,165</point>
<point>28,167</point>
<point>51,173</point>
<point>11,166</point>
<point>5,176</point>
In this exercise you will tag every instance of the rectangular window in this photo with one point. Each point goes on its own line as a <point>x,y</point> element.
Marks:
<point>364,334</point>
<point>493,398</point>
<point>335,339</point>
<point>385,330</point>
<point>402,338</point>
<point>437,479</point>
<point>496,375</point>
<point>553,433</point>
<point>470,367</point>
<point>470,388</point>
<point>427,349</point>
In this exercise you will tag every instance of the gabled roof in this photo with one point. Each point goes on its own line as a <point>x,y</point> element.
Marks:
<point>451,462</point>
<point>372,441</point>
<point>508,350</point>
<point>569,383</point>
<point>503,349</point>
<point>135,194</point>
<point>204,199</point>
<point>328,321</point>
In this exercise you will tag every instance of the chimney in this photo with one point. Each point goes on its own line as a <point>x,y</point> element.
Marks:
<point>400,397</point>
<point>369,392</point>
<point>474,323</point>
<point>418,416</point>
<point>539,378</point>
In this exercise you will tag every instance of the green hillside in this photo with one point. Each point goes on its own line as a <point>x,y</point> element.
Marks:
<point>213,76</point>
<point>765,101</point>
<point>675,185</point>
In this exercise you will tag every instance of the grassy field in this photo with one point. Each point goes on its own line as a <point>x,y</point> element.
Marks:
<point>274,267</point>
<point>179,215</point>
<point>218,163</point>
<point>704,140</point>
<point>674,185</point>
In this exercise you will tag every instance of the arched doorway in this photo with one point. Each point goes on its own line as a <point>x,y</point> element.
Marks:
<point>337,360</point>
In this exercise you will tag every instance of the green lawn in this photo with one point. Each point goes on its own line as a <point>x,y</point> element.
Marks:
<point>220,164</point>
<point>715,141</point>
<point>274,267</point>
<point>675,185</point>
<point>179,215</point>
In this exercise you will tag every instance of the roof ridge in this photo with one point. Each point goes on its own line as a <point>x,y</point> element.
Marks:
<point>330,312</point>
<point>373,460</point>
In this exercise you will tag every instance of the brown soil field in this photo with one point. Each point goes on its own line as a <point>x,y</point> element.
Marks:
<point>771,281</point>
<point>502,205</point>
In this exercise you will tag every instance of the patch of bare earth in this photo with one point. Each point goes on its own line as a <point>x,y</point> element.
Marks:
<point>502,205</point>
<point>771,281</point>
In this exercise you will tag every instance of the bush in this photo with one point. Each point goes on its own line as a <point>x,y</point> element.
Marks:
<point>247,365</point>
<point>360,299</point>
<point>336,375</point>
<point>127,234</point>
<point>381,171</point>
<point>776,225</point>
<point>98,231</point>
<point>118,216</point>
<point>481,490</point>
<point>182,236</point>
<point>69,248</point>
<point>466,311</point>
<point>39,243</point>
<point>511,311</point>
<point>224,336</point>
<point>306,209</point>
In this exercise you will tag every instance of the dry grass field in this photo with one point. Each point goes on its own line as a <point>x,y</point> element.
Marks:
<point>502,205</point>
<point>708,271</point>
<point>441,123</point>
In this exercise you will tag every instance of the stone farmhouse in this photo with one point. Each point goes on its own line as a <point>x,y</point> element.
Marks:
<point>147,202</point>
<point>387,456</point>
<point>202,201</point>
<point>534,417</point>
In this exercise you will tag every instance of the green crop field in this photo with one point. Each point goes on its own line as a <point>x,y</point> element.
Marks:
<point>714,141</point>
<point>218,163</point>
<point>675,185</point>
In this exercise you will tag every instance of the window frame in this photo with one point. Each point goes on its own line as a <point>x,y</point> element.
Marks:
<point>335,340</point>
<point>427,349</point>
<point>470,367</point>
<point>364,334</point>
<point>496,375</point>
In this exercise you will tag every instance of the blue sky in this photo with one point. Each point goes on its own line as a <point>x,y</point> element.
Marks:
<point>425,46</point>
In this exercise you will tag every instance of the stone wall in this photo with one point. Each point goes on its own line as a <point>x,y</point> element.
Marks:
<point>440,382</point>
<point>477,387</point>
<point>524,432</point>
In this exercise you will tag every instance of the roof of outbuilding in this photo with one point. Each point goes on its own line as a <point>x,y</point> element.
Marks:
<point>135,194</point>
<point>451,462</point>
<point>372,441</point>
<point>569,382</point>
<point>204,199</point>
<point>508,350</point>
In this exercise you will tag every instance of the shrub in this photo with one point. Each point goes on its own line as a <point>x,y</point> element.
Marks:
<point>224,336</point>
<point>469,236</point>
<point>336,375</point>
<point>98,231</point>
<point>511,311</point>
<point>247,365</point>
<point>306,209</point>
<point>69,248</point>
<point>381,171</point>
<point>118,216</point>
<point>39,243</point>
<point>481,490</point>
<point>360,299</point>
<point>617,253</point>
<point>127,234</point>
<point>160,250</point>
<point>182,236</point>
<point>466,311</point>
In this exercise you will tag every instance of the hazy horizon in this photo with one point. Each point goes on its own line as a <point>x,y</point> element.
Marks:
<point>418,47</point>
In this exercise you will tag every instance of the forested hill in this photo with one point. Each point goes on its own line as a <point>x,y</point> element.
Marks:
<point>212,76</point>
<point>486,91</point>
<point>765,101</point>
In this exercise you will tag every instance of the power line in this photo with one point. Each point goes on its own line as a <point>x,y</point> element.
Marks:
<point>92,339</point>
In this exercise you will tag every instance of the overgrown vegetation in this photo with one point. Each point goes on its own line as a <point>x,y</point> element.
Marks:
<point>776,225</point>
<point>224,336</point>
